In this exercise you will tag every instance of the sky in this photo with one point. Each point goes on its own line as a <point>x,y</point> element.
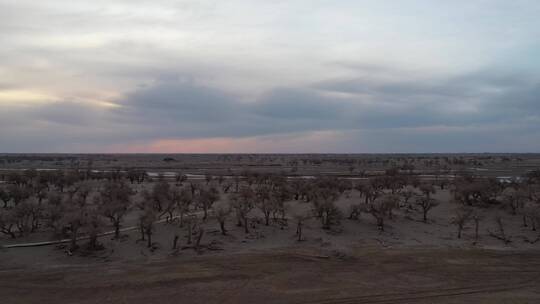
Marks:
<point>295,76</point>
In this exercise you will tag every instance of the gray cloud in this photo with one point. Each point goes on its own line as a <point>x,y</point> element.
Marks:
<point>239,69</point>
<point>188,110</point>
<point>172,108</point>
<point>298,104</point>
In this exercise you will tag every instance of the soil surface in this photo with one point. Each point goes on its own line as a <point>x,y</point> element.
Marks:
<point>290,275</point>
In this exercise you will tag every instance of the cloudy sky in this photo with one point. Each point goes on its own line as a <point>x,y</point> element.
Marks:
<point>270,76</point>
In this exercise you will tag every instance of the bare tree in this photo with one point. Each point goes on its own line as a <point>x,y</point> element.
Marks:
<point>369,192</point>
<point>208,178</point>
<point>222,212</point>
<point>73,219</point>
<point>18,193</point>
<point>5,196</point>
<point>200,234</point>
<point>7,223</point>
<point>160,196</point>
<point>80,191</point>
<point>40,192</point>
<point>426,203</point>
<point>242,202</point>
<point>531,211</point>
<point>392,202</point>
<point>278,197</point>
<point>407,195</point>
<point>265,202</point>
<point>54,212</point>
<point>175,241</point>
<point>27,215</point>
<point>382,207</point>
<point>170,206</point>
<point>324,206</point>
<point>137,176</point>
<point>461,218</point>
<point>427,189</point>
<point>180,178</point>
<point>114,202</point>
<point>501,233</point>
<point>476,217</point>
<point>146,222</point>
<point>207,197</point>
<point>354,211</point>
<point>184,200</point>
<point>514,199</point>
<point>191,222</point>
<point>92,226</point>
<point>471,191</point>
<point>300,219</point>
<point>220,179</point>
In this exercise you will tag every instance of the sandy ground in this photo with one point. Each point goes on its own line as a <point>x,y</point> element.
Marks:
<point>292,275</point>
<point>405,230</point>
<point>410,262</point>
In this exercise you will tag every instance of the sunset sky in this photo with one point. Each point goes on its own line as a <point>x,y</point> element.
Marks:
<point>270,76</point>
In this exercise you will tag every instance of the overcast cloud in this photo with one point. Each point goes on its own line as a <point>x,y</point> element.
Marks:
<point>269,76</point>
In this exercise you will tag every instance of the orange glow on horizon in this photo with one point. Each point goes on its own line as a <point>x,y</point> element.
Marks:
<point>198,145</point>
<point>315,142</point>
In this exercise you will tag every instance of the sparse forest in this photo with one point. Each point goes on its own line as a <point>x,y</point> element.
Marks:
<point>79,205</point>
<point>219,220</point>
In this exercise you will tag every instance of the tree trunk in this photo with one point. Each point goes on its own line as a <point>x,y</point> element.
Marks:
<point>73,243</point>
<point>149,234</point>
<point>246,229</point>
<point>299,231</point>
<point>199,238</point>
<point>92,242</point>
<point>238,220</point>
<point>222,226</point>
<point>476,226</point>
<point>117,230</point>
<point>175,241</point>
<point>324,220</point>
<point>8,230</point>
<point>35,223</point>
<point>190,233</point>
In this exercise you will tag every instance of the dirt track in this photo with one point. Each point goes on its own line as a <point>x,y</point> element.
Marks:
<point>371,276</point>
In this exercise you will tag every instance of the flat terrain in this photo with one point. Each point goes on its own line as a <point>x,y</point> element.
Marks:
<point>352,165</point>
<point>353,262</point>
<point>369,275</point>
